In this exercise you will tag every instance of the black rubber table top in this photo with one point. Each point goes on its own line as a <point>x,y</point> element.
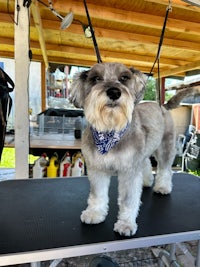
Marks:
<point>40,214</point>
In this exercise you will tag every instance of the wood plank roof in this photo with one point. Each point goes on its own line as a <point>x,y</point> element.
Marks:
<point>127,31</point>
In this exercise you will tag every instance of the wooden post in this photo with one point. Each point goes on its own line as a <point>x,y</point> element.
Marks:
<point>21,91</point>
<point>162,90</point>
<point>43,86</point>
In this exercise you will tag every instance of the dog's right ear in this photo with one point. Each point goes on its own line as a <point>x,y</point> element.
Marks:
<point>77,90</point>
<point>141,80</point>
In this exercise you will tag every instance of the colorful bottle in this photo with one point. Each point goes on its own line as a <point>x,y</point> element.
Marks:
<point>78,164</point>
<point>65,165</point>
<point>53,165</point>
<point>40,166</point>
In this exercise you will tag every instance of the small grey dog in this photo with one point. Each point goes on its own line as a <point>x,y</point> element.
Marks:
<point>120,137</point>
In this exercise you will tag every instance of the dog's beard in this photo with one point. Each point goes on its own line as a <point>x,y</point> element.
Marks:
<point>107,115</point>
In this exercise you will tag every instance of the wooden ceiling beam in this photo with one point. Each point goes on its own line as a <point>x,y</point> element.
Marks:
<point>38,24</point>
<point>147,39</point>
<point>69,51</point>
<point>150,21</point>
<point>66,49</point>
<point>190,66</point>
<point>127,36</point>
<point>105,53</point>
<point>7,54</point>
<point>133,37</point>
<point>7,41</point>
<point>130,17</point>
<point>69,59</point>
<point>112,54</point>
<point>85,63</point>
<point>176,3</point>
<point>6,18</point>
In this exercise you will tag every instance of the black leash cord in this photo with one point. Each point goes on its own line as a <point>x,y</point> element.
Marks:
<point>93,35</point>
<point>158,54</point>
<point>161,39</point>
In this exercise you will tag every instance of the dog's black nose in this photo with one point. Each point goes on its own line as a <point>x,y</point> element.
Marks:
<point>113,93</point>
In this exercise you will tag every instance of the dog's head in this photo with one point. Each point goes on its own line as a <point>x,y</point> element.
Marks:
<point>108,93</point>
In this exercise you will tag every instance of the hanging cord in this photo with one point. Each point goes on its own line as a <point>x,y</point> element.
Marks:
<point>169,8</point>
<point>157,59</point>
<point>18,9</point>
<point>93,35</point>
<point>158,84</point>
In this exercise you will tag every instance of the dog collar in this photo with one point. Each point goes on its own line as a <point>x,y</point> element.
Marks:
<point>104,141</point>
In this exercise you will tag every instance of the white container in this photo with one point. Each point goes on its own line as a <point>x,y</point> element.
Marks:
<point>78,167</point>
<point>65,166</point>
<point>39,168</point>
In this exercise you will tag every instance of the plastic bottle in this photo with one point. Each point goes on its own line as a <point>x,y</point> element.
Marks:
<point>65,165</point>
<point>53,165</point>
<point>40,165</point>
<point>78,165</point>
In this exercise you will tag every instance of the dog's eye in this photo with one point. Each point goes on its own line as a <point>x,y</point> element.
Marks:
<point>96,79</point>
<point>124,78</point>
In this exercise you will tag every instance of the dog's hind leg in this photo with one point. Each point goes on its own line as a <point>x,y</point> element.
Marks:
<point>147,174</point>
<point>97,208</point>
<point>165,156</point>
<point>130,189</point>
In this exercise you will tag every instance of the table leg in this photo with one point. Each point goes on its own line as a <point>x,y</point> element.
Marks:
<point>35,264</point>
<point>169,256</point>
<point>54,263</point>
<point>198,255</point>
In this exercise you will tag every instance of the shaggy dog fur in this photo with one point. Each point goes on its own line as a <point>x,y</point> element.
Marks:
<point>110,94</point>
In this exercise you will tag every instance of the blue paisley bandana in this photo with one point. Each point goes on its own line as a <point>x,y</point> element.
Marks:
<point>104,141</point>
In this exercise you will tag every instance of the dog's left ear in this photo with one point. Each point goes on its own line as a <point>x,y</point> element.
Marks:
<point>77,94</point>
<point>140,84</point>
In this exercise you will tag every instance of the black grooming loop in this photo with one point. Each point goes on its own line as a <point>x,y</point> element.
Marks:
<point>6,86</point>
<point>169,9</point>
<point>93,35</point>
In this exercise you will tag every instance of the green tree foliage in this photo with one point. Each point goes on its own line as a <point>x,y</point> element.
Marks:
<point>150,93</point>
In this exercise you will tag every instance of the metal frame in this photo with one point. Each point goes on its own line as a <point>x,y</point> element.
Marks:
<point>74,251</point>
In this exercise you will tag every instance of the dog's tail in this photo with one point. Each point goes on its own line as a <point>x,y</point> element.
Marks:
<point>176,99</point>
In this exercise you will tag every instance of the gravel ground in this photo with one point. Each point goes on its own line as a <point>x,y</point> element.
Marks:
<point>143,257</point>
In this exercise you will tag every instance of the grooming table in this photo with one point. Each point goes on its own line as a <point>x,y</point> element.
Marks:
<point>40,219</point>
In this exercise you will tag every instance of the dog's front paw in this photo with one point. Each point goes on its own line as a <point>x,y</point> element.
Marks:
<point>125,228</point>
<point>91,216</point>
<point>162,188</point>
